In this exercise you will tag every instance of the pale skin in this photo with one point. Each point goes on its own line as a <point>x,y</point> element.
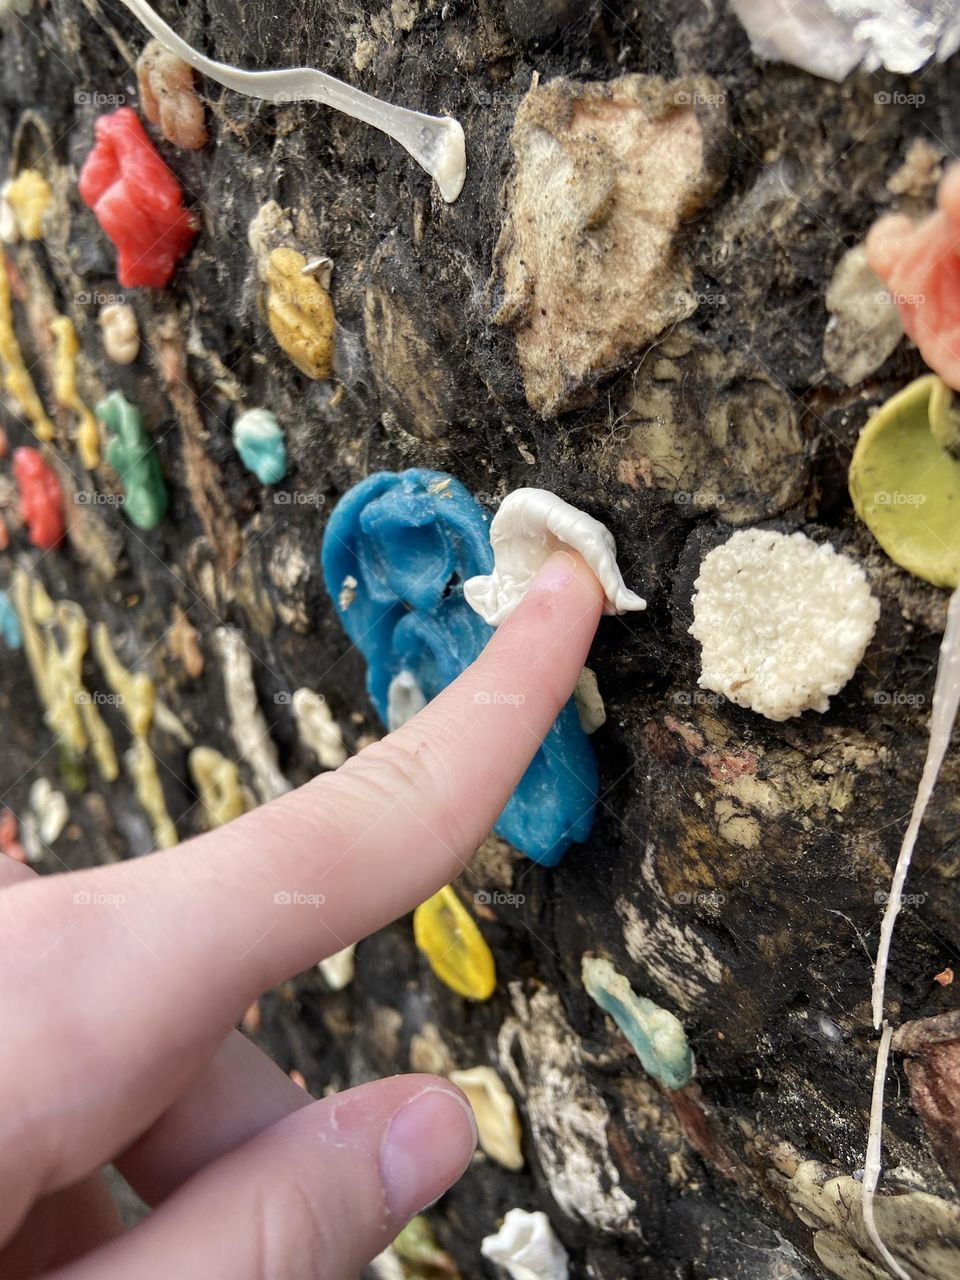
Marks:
<point>123,986</point>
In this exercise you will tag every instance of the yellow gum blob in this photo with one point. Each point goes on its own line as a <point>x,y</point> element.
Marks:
<point>217,780</point>
<point>137,698</point>
<point>905,480</point>
<point>300,313</point>
<point>65,390</point>
<point>16,379</point>
<point>448,936</point>
<point>29,195</point>
<point>55,640</point>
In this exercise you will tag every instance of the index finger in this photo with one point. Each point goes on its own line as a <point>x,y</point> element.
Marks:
<point>145,974</point>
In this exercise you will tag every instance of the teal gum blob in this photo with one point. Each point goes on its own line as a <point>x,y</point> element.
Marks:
<point>258,439</point>
<point>656,1035</point>
<point>9,623</point>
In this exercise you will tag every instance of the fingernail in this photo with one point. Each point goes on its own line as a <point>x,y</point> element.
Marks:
<point>426,1148</point>
<point>556,573</point>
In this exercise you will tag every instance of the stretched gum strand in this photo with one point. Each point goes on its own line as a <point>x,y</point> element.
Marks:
<point>435,142</point>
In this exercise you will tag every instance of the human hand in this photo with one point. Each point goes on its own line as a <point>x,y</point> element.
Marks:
<point>122,985</point>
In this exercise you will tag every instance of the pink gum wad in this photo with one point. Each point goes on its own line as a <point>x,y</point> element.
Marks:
<point>920,264</point>
<point>137,201</point>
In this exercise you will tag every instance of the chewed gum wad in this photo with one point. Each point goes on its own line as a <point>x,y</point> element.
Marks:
<point>397,549</point>
<point>529,526</point>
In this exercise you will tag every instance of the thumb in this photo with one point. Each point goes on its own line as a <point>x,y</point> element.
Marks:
<point>314,1197</point>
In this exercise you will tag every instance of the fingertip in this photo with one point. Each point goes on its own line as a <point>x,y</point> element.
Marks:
<point>427,1146</point>
<point>566,594</point>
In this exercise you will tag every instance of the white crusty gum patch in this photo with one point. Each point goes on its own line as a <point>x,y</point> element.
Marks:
<point>318,729</point>
<point>526,1247</point>
<point>251,734</point>
<point>404,699</point>
<point>783,622</point>
<point>589,702</point>
<point>529,526</point>
<point>338,969</point>
<point>540,1054</point>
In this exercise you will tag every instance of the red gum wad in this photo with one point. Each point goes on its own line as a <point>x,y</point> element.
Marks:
<point>41,498</point>
<point>137,201</point>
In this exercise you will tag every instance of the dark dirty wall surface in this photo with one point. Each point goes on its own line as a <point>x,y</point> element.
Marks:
<point>734,867</point>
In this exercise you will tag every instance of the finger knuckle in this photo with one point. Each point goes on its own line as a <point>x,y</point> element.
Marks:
<point>292,1240</point>
<point>414,770</point>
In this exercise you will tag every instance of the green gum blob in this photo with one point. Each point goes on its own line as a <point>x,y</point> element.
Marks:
<point>656,1035</point>
<point>73,770</point>
<point>905,480</point>
<point>131,454</point>
<point>420,1254</point>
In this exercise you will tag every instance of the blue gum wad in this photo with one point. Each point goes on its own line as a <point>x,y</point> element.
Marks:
<point>408,541</point>
<point>656,1035</point>
<point>9,623</point>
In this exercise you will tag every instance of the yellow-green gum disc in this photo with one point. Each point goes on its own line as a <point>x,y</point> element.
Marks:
<point>905,483</point>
